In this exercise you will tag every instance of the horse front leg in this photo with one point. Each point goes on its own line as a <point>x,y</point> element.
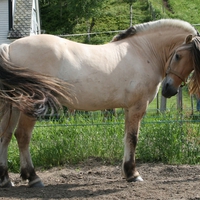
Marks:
<point>7,125</point>
<point>23,135</point>
<point>132,125</point>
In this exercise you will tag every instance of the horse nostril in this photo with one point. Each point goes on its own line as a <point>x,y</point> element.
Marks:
<point>166,86</point>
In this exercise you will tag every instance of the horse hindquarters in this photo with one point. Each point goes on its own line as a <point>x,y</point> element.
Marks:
<point>7,126</point>
<point>23,135</point>
<point>132,125</point>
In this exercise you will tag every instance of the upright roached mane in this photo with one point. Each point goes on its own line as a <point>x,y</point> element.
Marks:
<point>125,73</point>
<point>149,26</point>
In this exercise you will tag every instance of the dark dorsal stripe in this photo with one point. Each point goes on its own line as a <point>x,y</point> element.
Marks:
<point>127,33</point>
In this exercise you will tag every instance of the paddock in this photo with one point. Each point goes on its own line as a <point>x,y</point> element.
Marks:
<point>80,79</point>
<point>94,179</point>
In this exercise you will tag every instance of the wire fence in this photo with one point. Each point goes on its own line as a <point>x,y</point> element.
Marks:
<point>98,118</point>
<point>186,104</point>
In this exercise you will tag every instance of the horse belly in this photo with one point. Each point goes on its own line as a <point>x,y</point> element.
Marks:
<point>92,98</point>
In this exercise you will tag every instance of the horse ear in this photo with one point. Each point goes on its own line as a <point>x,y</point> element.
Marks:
<point>188,39</point>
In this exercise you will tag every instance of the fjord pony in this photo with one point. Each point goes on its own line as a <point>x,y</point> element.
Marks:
<point>184,60</point>
<point>43,72</point>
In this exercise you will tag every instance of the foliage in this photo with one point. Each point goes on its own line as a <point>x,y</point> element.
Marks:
<point>186,10</point>
<point>62,17</point>
<point>172,137</point>
<point>73,17</point>
<point>85,8</point>
<point>55,18</point>
<point>181,9</point>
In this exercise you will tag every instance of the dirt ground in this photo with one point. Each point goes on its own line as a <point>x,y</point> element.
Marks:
<point>97,180</point>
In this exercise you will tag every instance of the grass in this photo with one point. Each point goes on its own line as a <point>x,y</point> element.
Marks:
<point>179,9</point>
<point>172,137</point>
<point>172,102</point>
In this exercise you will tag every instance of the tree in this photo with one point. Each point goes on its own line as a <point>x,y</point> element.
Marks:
<point>87,9</point>
<point>60,16</point>
<point>55,18</point>
<point>130,2</point>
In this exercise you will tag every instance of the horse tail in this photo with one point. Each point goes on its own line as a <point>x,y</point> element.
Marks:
<point>33,93</point>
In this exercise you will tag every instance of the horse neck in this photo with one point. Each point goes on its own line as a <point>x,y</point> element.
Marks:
<point>158,48</point>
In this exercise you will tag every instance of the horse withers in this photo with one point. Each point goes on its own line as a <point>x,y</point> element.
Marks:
<point>45,72</point>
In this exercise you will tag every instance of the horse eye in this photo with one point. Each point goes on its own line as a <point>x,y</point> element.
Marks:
<point>177,56</point>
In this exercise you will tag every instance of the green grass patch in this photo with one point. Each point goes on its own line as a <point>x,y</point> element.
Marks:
<point>176,9</point>
<point>172,137</point>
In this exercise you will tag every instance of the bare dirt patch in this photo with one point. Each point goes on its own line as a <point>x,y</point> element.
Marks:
<point>96,180</point>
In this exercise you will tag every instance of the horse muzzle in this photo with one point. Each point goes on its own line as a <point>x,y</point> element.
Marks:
<point>168,88</point>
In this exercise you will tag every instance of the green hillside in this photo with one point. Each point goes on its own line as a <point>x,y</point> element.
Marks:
<point>115,15</point>
<point>111,15</point>
<point>180,9</point>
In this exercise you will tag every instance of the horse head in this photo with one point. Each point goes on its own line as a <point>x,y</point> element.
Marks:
<point>184,60</point>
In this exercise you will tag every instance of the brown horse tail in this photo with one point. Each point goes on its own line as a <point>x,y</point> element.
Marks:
<point>33,93</point>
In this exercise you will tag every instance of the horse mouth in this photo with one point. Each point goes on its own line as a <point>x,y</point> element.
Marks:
<point>168,89</point>
<point>168,93</point>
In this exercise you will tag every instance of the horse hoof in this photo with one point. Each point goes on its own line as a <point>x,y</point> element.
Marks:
<point>134,179</point>
<point>36,184</point>
<point>7,184</point>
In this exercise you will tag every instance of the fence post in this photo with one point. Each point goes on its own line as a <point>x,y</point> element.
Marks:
<point>157,100</point>
<point>163,102</point>
<point>192,104</point>
<point>180,100</point>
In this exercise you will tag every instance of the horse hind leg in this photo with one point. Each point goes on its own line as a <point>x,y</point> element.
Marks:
<point>132,124</point>
<point>7,125</point>
<point>23,135</point>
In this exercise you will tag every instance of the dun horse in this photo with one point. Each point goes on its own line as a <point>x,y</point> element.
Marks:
<point>43,72</point>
